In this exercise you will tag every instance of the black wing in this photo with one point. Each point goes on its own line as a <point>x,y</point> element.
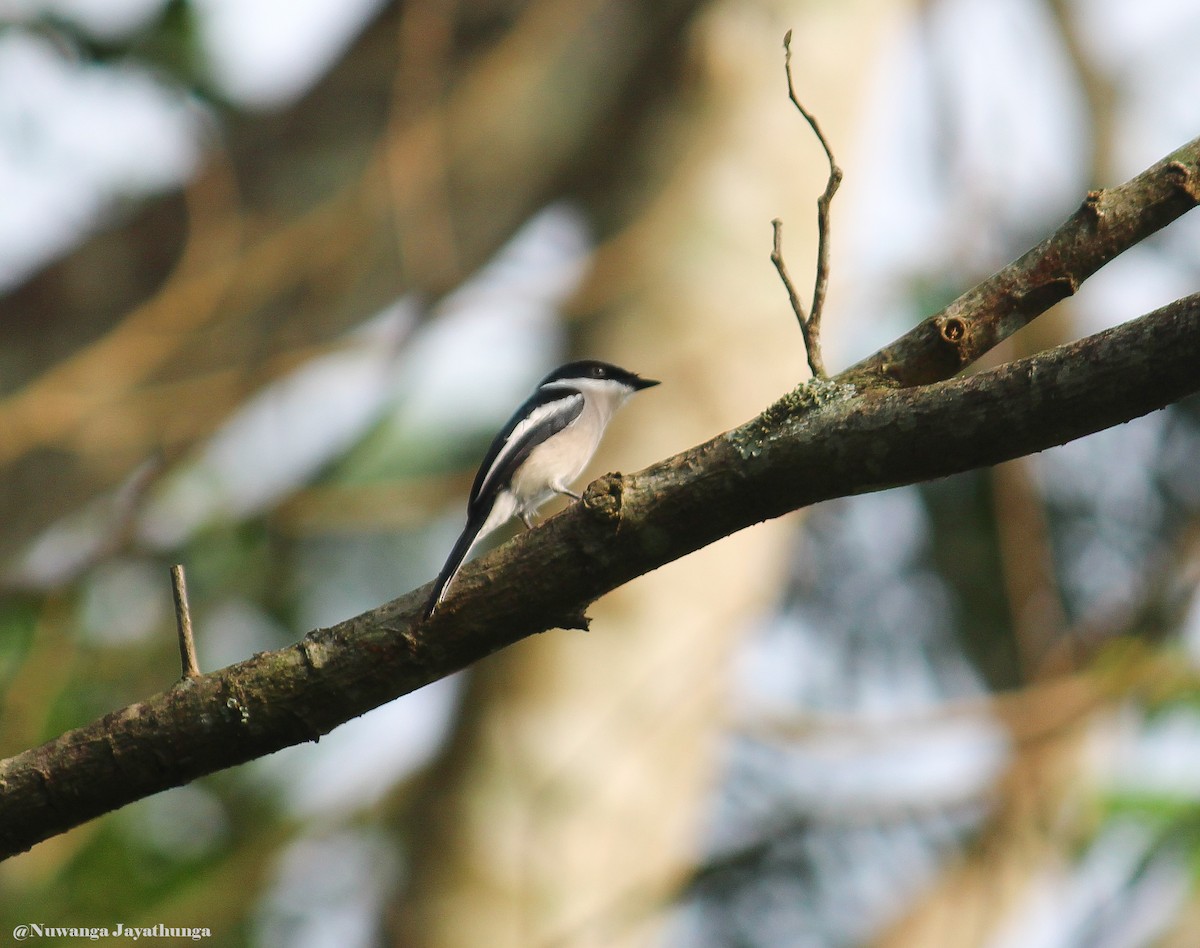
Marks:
<point>546,412</point>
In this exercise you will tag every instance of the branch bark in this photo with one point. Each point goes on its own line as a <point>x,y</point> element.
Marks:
<point>1107,224</point>
<point>851,435</point>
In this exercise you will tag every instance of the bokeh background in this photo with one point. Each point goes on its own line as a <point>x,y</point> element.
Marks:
<point>273,271</point>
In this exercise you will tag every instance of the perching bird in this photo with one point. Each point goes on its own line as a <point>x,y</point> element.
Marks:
<point>544,447</point>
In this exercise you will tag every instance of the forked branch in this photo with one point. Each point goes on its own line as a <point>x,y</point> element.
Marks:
<point>810,325</point>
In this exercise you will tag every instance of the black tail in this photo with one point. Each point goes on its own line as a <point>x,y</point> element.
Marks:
<point>462,547</point>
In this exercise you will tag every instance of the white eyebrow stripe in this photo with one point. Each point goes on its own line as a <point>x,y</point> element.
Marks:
<point>542,423</point>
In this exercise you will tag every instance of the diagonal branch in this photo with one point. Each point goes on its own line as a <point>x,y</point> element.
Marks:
<point>826,439</point>
<point>1107,224</point>
<point>844,441</point>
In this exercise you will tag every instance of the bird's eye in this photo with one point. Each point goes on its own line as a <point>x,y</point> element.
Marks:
<point>597,371</point>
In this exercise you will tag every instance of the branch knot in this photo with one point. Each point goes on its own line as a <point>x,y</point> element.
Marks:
<point>604,497</point>
<point>1181,178</point>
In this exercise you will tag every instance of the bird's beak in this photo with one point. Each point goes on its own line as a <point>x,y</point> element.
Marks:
<point>639,383</point>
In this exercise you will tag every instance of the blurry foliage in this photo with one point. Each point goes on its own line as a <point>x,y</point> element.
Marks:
<point>964,554</point>
<point>170,44</point>
<point>243,559</point>
<point>18,622</point>
<point>938,596</point>
<point>198,856</point>
<point>167,44</point>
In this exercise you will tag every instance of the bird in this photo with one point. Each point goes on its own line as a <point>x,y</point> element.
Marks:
<point>542,449</point>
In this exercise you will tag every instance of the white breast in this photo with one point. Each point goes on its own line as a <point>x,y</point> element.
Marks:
<point>559,461</point>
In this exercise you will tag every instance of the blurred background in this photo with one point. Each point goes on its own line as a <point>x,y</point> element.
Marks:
<point>273,272</point>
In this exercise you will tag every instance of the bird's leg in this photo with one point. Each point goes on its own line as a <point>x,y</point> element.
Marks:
<point>565,491</point>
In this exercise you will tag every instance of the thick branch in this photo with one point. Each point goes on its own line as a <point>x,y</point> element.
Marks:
<point>823,440</point>
<point>1108,223</point>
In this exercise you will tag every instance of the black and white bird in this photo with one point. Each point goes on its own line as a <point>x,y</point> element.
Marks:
<point>544,447</point>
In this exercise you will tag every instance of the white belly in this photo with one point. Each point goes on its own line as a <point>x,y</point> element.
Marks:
<point>555,464</point>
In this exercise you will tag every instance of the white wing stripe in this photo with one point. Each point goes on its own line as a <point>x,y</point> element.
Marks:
<point>565,407</point>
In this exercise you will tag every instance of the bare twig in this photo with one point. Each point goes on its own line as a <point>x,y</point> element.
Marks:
<point>813,347</point>
<point>183,619</point>
<point>810,326</point>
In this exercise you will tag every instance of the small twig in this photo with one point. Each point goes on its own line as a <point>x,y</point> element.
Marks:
<point>812,343</point>
<point>810,326</point>
<point>183,620</point>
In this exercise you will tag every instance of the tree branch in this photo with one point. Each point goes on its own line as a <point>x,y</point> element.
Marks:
<point>825,439</point>
<point>1107,224</point>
